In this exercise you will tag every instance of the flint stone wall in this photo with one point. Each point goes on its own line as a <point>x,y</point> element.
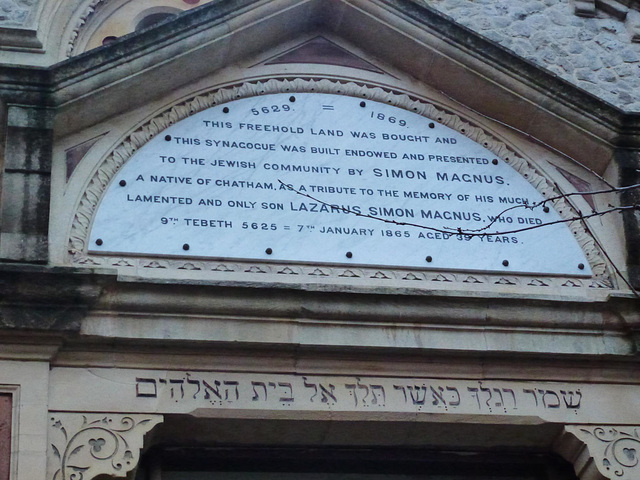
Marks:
<point>14,13</point>
<point>596,54</point>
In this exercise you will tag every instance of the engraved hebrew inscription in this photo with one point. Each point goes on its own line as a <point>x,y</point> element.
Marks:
<point>189,390</point>
<point>186,391</point>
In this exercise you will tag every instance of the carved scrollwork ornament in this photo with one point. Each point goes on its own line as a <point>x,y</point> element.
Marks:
<point>615,450</point>
<point>120,154</point>
<point>90,9</point>
<point>83,446</point>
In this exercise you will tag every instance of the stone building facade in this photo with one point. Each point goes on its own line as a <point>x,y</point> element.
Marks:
<point>196,280</point>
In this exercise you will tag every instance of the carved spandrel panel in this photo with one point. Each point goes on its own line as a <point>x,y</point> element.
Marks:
<point>84,446</point>
<point>614,451</point>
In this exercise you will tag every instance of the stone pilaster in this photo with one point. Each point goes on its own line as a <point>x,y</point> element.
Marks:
<point>26,185</point>
<point>629,164</point>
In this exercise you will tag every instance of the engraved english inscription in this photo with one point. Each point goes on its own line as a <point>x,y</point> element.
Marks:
<point>331,179</point>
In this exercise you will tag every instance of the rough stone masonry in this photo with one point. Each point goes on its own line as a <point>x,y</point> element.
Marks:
<point>596,54</point>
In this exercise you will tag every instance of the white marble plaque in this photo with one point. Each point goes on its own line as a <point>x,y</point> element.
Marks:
<point>332,179</point>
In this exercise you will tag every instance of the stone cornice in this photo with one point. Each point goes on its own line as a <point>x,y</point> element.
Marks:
<point>61,305</point>
<point>201,300</point>
<point>47,299</point>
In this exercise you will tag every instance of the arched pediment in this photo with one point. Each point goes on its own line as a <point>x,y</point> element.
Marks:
<point>463,80</point>
<point>416,40</point>
<point>429,203</point>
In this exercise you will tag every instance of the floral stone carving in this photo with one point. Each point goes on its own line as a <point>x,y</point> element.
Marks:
<point>615,451</point>
<point>84,446</point>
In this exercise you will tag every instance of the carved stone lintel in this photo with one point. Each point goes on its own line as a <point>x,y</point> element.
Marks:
<point>601,452</point>
<point>84,446</point>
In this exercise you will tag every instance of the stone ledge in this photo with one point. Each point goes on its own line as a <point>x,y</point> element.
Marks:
<point>20,39</point>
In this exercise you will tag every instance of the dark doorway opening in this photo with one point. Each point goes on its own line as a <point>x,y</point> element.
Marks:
<point>353,463</point>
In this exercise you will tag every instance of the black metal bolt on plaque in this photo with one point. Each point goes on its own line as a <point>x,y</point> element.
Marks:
<point>123,183</point>
<point>185,247</point>
<point>167,138</point>
<point>505,263</point>
<point>292,99</point>
<point>494,161</point>
<point>99,241</point>
<point>432,125</point>
<point>363,104</point>
<point>268,251</point>
<point>545,209</point>
<point>225,110</point>
<point>429,259</point>
<point>349,254</point>
<point>581,266</point>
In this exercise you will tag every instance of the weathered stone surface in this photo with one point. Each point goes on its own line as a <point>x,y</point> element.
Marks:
<point>546,32</point>
<point>58,298</point>
<point>26,185</point>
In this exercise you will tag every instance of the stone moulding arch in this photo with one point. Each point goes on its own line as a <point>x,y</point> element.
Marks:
<point>81,21</point>
<point>107,168</point>
<point>90,16</point>
<point>73,41</point>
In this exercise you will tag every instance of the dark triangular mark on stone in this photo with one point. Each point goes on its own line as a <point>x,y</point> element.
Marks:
<point>322,51</point>
<point>581,185</point>
<point>77,153</point>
